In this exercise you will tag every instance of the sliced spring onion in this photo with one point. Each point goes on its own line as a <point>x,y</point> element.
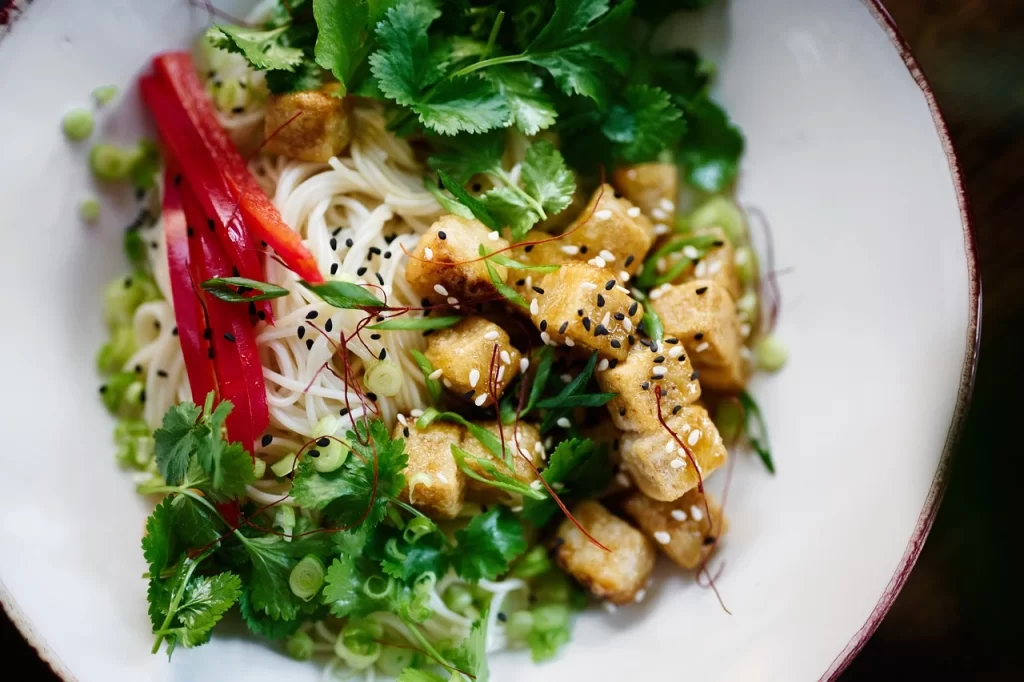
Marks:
<point>110,163</point>
<point>78,124</point>
<point>504,289</point>
<point>394,660</point>
<point>283,467</point>
<point>550,617</point>
<point>457,598</point>
<point>117,351</point>
<point>449,204</point>
<point>284,519</point>
<point>746,264</point>
<point>358,643</point>
<point>532,564</point>
<point>418,323</point>
<point>502,259</point>
<point>756,430</point>
<point>307,577</point>
<point>729,420</point>
<point>417,528</point>
<point>433,385</point>
<point>259,468</point>
<point>89,210</point>
<point>344,295</point>
<point>721,212</point>
<point>747,305</point>
<point>105,94</point>
<point>331,456</point>
<point>240,289</point>
<point>771,354</point>
<point>384,378</point>
<point>477,207</point>
<point>519,625</point>
<point>300,646</point>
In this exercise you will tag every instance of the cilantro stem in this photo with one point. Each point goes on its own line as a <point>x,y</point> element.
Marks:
<point>485,63</point>
<point>509,181</point>
<point>491,39</point>
<point>428,647</point>
<point>172,608</point>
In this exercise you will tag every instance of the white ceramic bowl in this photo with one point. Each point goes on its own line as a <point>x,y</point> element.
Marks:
<point>847,156</point>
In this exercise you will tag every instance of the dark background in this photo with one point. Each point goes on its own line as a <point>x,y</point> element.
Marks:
<point>958,615</point>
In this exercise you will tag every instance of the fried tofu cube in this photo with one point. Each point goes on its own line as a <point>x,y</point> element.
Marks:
<point>611,233</point>
<point>654,187</point>
<point>546,253</point>
<point>434,484</point>
<point>454,240</point>
<point>583,306</point>
<point>718,263</point>
<point>322,131</point>
<point>729,379</point>
<point>703,316</point>
<point>527,437</point>
<point>464,353</point>
<point>636,380</point>
<point>681,529</point>
<point>617,575</point>
<point>661,468</point>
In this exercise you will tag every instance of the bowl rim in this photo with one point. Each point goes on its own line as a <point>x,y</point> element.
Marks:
<point>16,10</point>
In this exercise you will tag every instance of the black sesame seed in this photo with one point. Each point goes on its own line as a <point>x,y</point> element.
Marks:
<point>709,540</point>
<point>334,268</point>
<point>103,388</point>
<point>312,315</point>
<point>616,343</point>
<point>380,279</point>
<point>336,231</point>
<point>633,308</point>
<point>477,187</point>
<point>628,261</point>
<point>301,332</point>
<point>543,325</point>
<point>601,330</point>
<point>323,442</point>
<point>389,238</point>
<point>660,358</point>
<point>695,375</point>
<point>177,179</point>
<point>313,453</point>
<point>583,249</point>
<point>613,363</point>
<point>309,344</point>
<point>699,335</point>
<point>586,323</point>
<point>387,254</point>
<point>212,225</point>
<point>361,271</point>
<point>654,346</point>
<point>237,110</point>
<point>468,395</point>
<point>609,285</point>
<point>579,312</point>
<point>375,337</point>
<point>138,369</point>
<point>372,397</point>
<point>718,242</point>
<point>383,354</point>
<point>343,411</point>
<point>142,396</point>
<point>502,617</point>
<point>622,411</point>
<point>161,373</point>
<point>528,249</point>
<point>539,290</point>
<point>405,431</point>
<point>267,440</point>
<point>701,290</point>
<point>619,316</point>
<point>190,231</point>
<point>672,340</point>
<point>600,301</point>
<point>441,235</point>
<point>329,325</point>
<point>264,244</point>
<point>631,339</point>
<point>375,250</point>
<point>349,243</point>
<point>252,308</point>
<point>334,244</point>
<point>127,282</point>
<point>261,315</point>
<point>645,386</point>
<point>520,282</point>
<point>565,325</point>
<point>677,409</point>
<point>645,342</point>
<point>154,246</point>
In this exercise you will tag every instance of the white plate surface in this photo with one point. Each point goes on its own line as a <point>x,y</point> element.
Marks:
<point>880,311</point>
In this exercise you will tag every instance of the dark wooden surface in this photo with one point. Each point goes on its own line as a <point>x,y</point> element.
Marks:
<point>959,614</point>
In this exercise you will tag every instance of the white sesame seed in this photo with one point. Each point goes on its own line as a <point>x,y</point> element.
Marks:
<point>603,214</point>
<point>529,281</point>
<point>607,255</point>
<point>701,271</point>
<point>440,289</point>
<point>501,373</point>
<point>741,257</point>
<point>447,384</point>
<point>480,400</point>
<point>714,267</point>
<point>474,377</point>
<point>745,329</point>
<point>536,485</point>
<point>659,371</point>
<point>659,213</point>
<point>546,338</point>
<point>436,374</point>
<point>416,413</point>
<point>491,335</point>
<point>627,324</point>
<point>678,515</point>
<point>524,364</point>
<point>660,229</point>
<point>566,378</point>
<point>670,446</point>
<point>690,251</point>
<point>656,294</point>
<point>538,447</point>
<point>518,508</point>
<point>563,422</point>
<point>624,276</point>
<point>428,253</point>
<point>622,289</point>
<point>667,204</point>
<point>606,320</point>
<point>607,605</point>
<point>677,463</point>
<point>588,285</point>
<point>401,419</point>
<point>745,353</point>
<point>569,342</point>
<point>631,174</point>
<point>493,236</point>
<point>603,365</point>
<point>693,437</point>
<point>452,300</point>
<point>570,250</point>
<point>641,594</point>
<point>696,513</point>
<point>675,351</point>
<point>633,211</point>
<point>662,537</point>
<point>597,262</point>
<point>534,307</point>
<point>623,480</point>
<point>505,357</point>
<point>704,345</point>
<point>442,478</point>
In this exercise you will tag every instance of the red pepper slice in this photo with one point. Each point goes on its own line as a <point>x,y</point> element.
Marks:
<point>236,357</point>
<point>200,168</point>
<point>262,217</point>
<point>188,312</point>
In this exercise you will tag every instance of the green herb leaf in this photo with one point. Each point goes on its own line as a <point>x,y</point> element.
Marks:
<point>419,675</point>
<point>344,295</point>
<point>712,147</point>
<point>447,203</point>
<point>475,206</point>
<point>758,435</point>
<point>272,563</point>
<point>406,323</point>
<point>546,178</point>
<point>464,156</point>
<point>469,104</point>
<point>403,67</point>
<point>644,123</point>
<point>488,544</point>
<point>497,476</point>
<point>157,543</point>
<point>234,471</point>
<point>531,110</point>
<point>236,289</point>
<point>305,76</point>
<point>580,400</point>
<point>341,26</point>
<point>543,360</point>
<point>261,624</point>
<point>343,589</point>
<point>504,289</point>
<point>471,655</point>
<point>514,208</point>
<point>579,467</point>
<point>176,440</point>
<point>262,49</point>
<point>204,602</point>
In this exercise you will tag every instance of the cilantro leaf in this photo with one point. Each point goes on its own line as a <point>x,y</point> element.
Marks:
<point>272,563</point>
<point>418,675</point>
<point>176,439</point>
<point>464,156</point>
<point>263,625</point>
<point>158,541</point>
<point>263,49</point>
<point>471,655</point>
<point>469,104</point>
<point>204,602</point>
<point>531,110</point>
<point>572,396</point>
<point>305,76</point>
<point>546,178</point>
<point>234,471</point>
<point>513,208</point>
<point>341,25</point>
<point>712,147</point>
<point>343,589</point>
<point>580,466</point>
<point>403,67</point>
<point>643,123</point>
<point>488,544</point>
<point>476,207</point>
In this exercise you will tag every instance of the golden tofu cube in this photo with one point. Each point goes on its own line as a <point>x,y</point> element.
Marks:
<point>454,240</point>
<point>611,233</point>
<point>681,529</point>
<point>636,380</point>
<point>547,253</point>
<point>654,187</point>
<point>729,379</point>
<point>617,575</point>
<point>464,354</point>
<point>527,437</point>
<point>661,467</point>
<point>717,264</point>
<point>703,316</point>
<point>434,484</point>
<point>322,130</point>
<point>584,306</point>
